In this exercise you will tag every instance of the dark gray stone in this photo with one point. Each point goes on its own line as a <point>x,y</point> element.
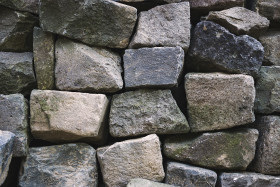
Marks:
<point>146,183</point>
<point>269,9</point>
<point>158,67</point>
<point>31,6</point>
<point>215,49</point>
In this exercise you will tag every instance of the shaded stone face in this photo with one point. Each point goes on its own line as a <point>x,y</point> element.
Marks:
<point>219,101</point>
<point>147,183</point>
<point>229,150</point>
<point>208,5</point>
<point>136,158</point>
<point>58,116</point>
<point>95,22</point>
<point>14,118</point>
<point>60,165</point>
<point>145,112</point>
<point>22,5</point>
<point>180,174</point>
<point>269,9</point>
<point>87,69</point>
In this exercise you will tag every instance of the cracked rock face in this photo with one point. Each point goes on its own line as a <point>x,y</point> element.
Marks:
<point>31,6</point>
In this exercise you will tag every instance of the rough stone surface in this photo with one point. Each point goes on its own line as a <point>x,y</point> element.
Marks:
<point>16,30</point>
<point>43,52</point>
<point>137,158</point>
<point>16,72</point>
<point>208,5</point>
<point>146,112</point>
<point>58,116</point>
<point>271,44</point>
<point>6,153</point>
<point>158,67</point>
<point>240,21</point>
<point>248,179</point>
<point>219,101</point>
<point>267,160</point>
<point>83,68</point>
<point>185,175</point>
<point>60,165</point>
<point>165,25</point>
<point>232,150</point>
<point>146,183</point>
<point>269,9</point>
<point>22,5</point>
<point>14,118</point>
<point>214,48</point>
<point>268,90</point>
<point>95,22</point>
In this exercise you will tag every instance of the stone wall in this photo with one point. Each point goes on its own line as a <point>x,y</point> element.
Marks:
<point>139,93</point>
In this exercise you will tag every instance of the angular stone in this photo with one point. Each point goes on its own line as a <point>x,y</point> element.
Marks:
<point>88,69</point>
<point>268,90</point>
<point>137,158</point>
<point>16,30</point>
<point>145,112</point>
<point>216,49</point>
<point>31,6</point>
<point>16,72</point>
<point>208,5</point>
<point>165,25</point>
<point>230,150</point>
<point>271,44</point>
<point>219,101</point>
<point>248,179</point>
<point>95,22</point>
<point>269,9</point>
<point>240,21</point>
<point>58,116</point>
<point>43,51</point>
<point>147,183</point>
<point>158,67</point>
<point>6,153</point>
<point>14,118</point>
<point>60,165</point>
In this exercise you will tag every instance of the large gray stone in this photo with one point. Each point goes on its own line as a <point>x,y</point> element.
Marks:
<point>31,6</point>
<point>202,5</point>
<point>269,9</point>
<point>16,72</point>
<point>268,90</point>
<point>230,150</point>
<point>6,153</point>
<point>137,158</point>
<point>158,67</point>
<point>240,20</point>
<point>185,175</point>
<point>16,30</point>
<point>146,112</point>
<point>83,68</point>
<point>60,166</point>
<point>146,183</point>
<point>219,101</point>
<point>94,22</point>
<point>43,52</point>
<point>214,48</point>
<point>271,44</point>
<point>248,179</point>
<point>58,116</point>
<point>14,118</point>
<point>165,25</point>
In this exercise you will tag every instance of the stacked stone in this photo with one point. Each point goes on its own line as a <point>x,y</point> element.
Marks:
<point>152,98</point>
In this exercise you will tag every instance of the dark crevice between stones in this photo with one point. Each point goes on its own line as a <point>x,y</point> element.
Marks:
<point>13,174</point>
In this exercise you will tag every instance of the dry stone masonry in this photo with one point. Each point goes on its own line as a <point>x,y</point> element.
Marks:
<point>139,93</point>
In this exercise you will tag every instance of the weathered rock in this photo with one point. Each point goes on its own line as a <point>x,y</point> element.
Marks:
<point>16,30</point>
<point>95,22</point>
<point>22,5</point>
<point>14,118</point>
<point>58,116</point>
<point>240,20</point>
<point>137,158</point>
<point>60,165</point>
<point>268,90</point>
<point>202,5</point>
<point>6,153</point>
<point>271,44</point>
<point>16,72</point>
<point>219,101</point>
<point>146,112</point>
<point>43,51</point>
<point>216,49</point>
<point>158,67</point>
<point>185,175</point>
<point>165,25</point>
<point>146,183</point>
<point>83,68</point>
<point>248,179</point>
<point>232,150</point>
<point>269,9</point>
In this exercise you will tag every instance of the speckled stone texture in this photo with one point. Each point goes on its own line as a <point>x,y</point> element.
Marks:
<point>202,5</point>
<point>269,9</point>
<point>271,44</point>
<point>31,6</point>
<point>146,183</point>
